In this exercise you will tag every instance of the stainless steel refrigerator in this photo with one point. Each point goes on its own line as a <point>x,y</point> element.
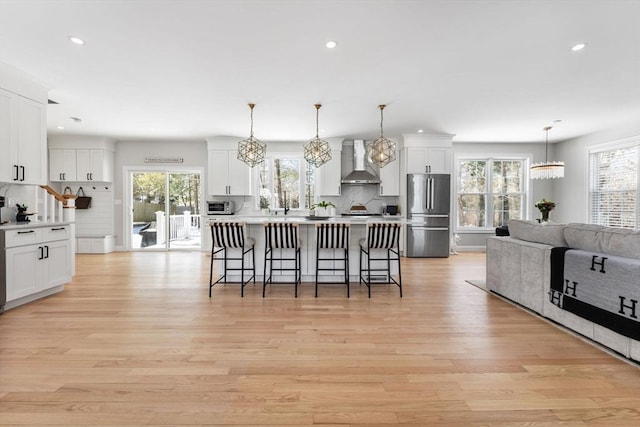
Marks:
<point>428,208</point>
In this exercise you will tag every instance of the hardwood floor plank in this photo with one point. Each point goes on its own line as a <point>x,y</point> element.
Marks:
<point>135,340</point>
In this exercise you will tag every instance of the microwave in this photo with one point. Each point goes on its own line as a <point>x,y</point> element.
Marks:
<point>224,207</point>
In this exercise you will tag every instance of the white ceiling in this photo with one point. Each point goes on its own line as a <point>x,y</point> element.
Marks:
<point>483,70</point>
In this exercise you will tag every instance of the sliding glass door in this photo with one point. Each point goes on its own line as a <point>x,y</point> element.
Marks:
<point>165,210</point>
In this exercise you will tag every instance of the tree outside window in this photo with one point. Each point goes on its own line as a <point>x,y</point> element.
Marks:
<point>285,181</point>
<point>490,192</point>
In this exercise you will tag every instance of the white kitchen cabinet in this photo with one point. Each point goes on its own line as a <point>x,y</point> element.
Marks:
<point>94,165</point>
<point>80,165</point>
<point>23,271</point>
<point>62,165</point>
<point>390,179</point>
<point>22,140</point>
<point>428,160</point>
<point>331,175</point>
<point>37,261</point>
<point>228,176</point>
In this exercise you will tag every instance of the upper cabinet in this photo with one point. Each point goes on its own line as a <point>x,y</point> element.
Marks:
<point>331,175</point>
<point>22,129</point>
<point>427,153</point>
<point>429,160</point>
<point>62,165</point>
<point>226,175</point>
<point>390,178</point>
<point>80,159</point>
<point>94,165</point>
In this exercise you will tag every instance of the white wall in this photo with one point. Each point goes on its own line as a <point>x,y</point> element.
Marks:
<point>133,153</point>
<point>572,191</point>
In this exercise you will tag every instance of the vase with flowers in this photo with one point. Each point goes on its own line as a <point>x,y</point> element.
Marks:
<point>545,206</point>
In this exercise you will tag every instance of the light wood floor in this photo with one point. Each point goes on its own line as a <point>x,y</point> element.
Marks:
<point>135,340</point>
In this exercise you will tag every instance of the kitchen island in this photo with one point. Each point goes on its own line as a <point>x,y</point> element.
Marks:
<point>307,230</point>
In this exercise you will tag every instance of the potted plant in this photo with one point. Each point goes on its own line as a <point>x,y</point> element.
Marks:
<point>324,208</point>
<point>545,206</point>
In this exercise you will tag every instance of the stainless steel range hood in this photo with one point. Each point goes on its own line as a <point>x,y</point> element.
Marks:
<point>360,175</point>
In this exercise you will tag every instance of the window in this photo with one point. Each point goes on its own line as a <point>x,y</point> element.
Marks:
<point>490,192</point>
<point>285,180</point>
<point>613,195</point>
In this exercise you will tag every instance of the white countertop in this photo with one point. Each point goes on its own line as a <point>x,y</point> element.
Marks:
<point>258,219</point>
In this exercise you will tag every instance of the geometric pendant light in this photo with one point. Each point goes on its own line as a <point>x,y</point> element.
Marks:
<point>547,170</point>
<point>317,152</point>
<point>250,150</point>
<point>382,151</point>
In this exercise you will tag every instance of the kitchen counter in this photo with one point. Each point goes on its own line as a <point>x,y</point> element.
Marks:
<point>256,219</point>
<point>307,232</point>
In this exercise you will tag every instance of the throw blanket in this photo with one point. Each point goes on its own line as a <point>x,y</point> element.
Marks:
<point>602,288</point>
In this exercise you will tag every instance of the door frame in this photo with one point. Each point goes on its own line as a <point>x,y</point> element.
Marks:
<point>127,222</point>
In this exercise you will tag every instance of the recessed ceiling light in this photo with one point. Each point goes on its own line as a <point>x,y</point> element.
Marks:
<point>76,40</point>
<point>331,44</point>
<point>578,47</point>
<point>61,127</point>
<point>420,130</point>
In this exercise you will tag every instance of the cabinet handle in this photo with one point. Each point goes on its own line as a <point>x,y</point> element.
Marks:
<point>15,168</point>
<point>381,189</point>
<point>91,176</point>
<point>47,247</point>
<point>339,190</point>
<point>40,252</point>
<point>58,229</point>
<point>22,170</point>
<point>26,232</point>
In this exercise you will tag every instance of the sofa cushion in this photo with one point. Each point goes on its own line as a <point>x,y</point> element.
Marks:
<point>549,234</point>
<point>607,240</point>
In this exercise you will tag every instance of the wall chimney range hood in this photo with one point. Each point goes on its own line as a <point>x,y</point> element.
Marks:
<point>360,175</point>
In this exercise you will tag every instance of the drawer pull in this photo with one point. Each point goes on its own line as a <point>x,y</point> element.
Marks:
<point>58,229</point>
<point>26,232</point>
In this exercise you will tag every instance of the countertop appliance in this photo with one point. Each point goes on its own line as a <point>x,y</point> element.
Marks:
<point>221,207</point>
<point>428,208</point>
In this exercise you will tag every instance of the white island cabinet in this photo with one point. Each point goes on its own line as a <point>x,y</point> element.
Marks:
<point>307,230</point>
<point>36,259</point>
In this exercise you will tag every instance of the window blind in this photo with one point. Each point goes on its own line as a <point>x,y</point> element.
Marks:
<point>613,198</point>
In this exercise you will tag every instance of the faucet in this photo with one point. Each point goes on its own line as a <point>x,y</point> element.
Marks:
<point>286,207</point>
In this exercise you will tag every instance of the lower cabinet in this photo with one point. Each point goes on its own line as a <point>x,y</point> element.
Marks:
<point>32,269</point>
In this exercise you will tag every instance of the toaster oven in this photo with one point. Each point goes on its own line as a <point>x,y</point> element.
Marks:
<point>222,207</point>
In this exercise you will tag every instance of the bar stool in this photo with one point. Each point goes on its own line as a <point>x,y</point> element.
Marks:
<point>333,236</point>
<point>282,236</point>
<point>231,235</point>
<point>381,236</point>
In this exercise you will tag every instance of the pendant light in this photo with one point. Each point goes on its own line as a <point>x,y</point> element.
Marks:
<point>250,150</point>
<point>382,151</point>
<point>547,170</point>
<point>317,152</point>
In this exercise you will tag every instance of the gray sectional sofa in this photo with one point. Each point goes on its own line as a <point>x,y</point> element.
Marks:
<point>519,267</point>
